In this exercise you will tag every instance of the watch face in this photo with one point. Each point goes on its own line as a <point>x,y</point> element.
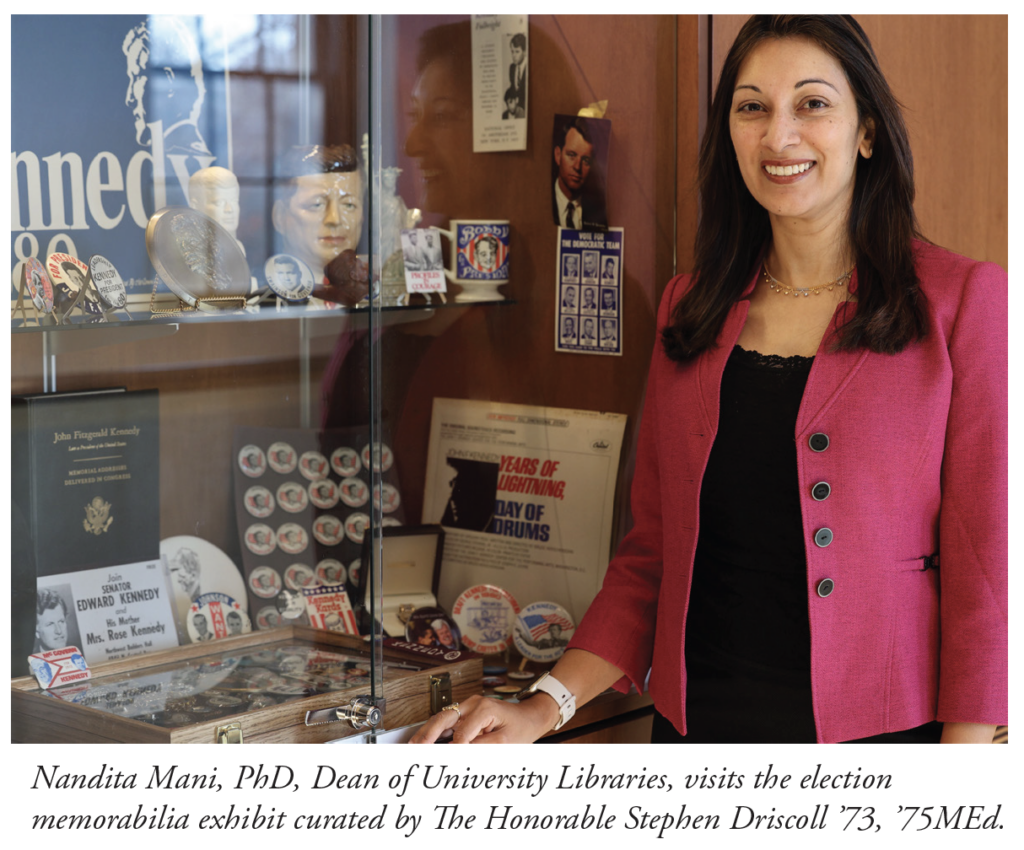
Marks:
<point>542,631</point>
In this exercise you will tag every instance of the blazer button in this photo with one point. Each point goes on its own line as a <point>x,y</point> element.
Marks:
<point>825,587</point>
<point>818,442</point>
<point>821,490</point>
<point>823,536</point>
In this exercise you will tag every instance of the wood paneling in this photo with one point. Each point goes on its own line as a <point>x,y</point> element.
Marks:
<point>950,74</point>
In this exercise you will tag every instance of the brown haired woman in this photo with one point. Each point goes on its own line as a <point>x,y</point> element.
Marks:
<point>820,484</point>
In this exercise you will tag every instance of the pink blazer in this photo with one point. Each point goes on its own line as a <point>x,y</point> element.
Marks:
<point>916,459</point>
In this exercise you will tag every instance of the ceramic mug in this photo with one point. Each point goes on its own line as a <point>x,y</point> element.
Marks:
<point>479,257</point>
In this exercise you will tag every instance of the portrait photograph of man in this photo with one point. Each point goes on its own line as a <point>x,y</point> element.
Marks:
<point>589,304</point>
<point>580,156</point>
<point>609,300</point>
<point>591,265</point>
<point>517,77</point>
<point>571,268</point>
<point>569,298</point>
<point>569,330</point>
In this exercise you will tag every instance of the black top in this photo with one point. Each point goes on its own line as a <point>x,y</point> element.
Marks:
<point>748,637</point>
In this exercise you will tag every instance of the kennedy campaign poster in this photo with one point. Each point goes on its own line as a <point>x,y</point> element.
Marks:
<point>526,496</point>
<point>109,613</point>
<point>123,110</point>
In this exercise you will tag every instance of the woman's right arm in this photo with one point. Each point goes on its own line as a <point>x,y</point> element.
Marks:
<point>490,721</point>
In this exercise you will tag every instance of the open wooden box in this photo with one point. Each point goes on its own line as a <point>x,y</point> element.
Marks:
<point>255,688</point>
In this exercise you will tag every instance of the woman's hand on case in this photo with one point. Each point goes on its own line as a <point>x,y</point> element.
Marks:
<point>491,721</point>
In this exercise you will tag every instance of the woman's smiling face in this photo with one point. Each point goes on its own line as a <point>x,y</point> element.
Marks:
<point>796,131</point>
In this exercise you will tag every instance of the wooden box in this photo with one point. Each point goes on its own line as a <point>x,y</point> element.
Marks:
<point>265,682</point>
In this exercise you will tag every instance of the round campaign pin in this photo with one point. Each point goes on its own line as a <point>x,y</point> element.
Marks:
<point>37,284</point>
<point>216,615</point>
<point>109,285</point>
<point>252,461</point>
<point>354,492</point>
<point>282,457</point>
<point>485,614</point>
<point>288,277</point>
<point>356,526</point>
<point>259,539</point>
<point>330,572</point>
<point>259,502</point>
<point>494,669</point>
<point>265,582</point>
<point>197,258</point>
<point>345,461</point>
<point>355,572</point>
<point>292,497</point>
<point>507,689</point>
<point>493,681</point>
<point>323,493</point>
<point>298,576</point>
<point>382,457</point>
<point>387,497</point>
<point>521,674</point>
<point>291,604</point>
<point>432,626</point>
<point>328,530</point>
<point>390,520</point>
<point>292,538</point>
<point>313,466</point>
<point>543,630</point>
<point>268,618</point>
<point>69,275</point>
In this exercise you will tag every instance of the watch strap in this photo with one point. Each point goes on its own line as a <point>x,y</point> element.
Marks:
<point>558,692</point>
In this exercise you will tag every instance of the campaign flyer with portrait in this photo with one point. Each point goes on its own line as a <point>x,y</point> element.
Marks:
<point>589,294</point>
<point>501,59</point>
<point>109,613</point>
<point>526,497</point>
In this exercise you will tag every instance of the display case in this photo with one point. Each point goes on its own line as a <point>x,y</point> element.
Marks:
<point>282,281</point>
<point>195,412</point>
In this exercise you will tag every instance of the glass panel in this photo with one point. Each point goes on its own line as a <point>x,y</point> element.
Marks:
<point>228,140</point>
<point>496,340</point>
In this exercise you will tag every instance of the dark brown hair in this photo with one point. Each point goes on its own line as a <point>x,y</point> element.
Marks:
<point>881,227</point>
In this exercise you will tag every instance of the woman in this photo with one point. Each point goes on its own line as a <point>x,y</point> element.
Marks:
<point>828,409</point>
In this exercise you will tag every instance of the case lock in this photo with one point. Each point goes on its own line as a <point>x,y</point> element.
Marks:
<point>361,712</point>
<point>440,692</point>
<point>229,734</point>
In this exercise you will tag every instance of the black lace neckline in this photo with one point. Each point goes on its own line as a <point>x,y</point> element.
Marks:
<point>795,363</point>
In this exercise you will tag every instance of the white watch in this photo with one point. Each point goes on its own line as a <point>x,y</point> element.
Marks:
<point>558,692</point>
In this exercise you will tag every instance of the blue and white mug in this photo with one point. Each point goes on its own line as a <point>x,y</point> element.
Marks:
<point>480,258</point>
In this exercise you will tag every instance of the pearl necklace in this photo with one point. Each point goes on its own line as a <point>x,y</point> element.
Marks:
<point>781,288</point>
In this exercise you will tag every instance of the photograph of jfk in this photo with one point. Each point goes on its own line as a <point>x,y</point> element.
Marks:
<point>578,168</point>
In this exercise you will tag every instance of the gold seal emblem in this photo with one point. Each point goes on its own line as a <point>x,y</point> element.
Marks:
<point>97,516</point>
